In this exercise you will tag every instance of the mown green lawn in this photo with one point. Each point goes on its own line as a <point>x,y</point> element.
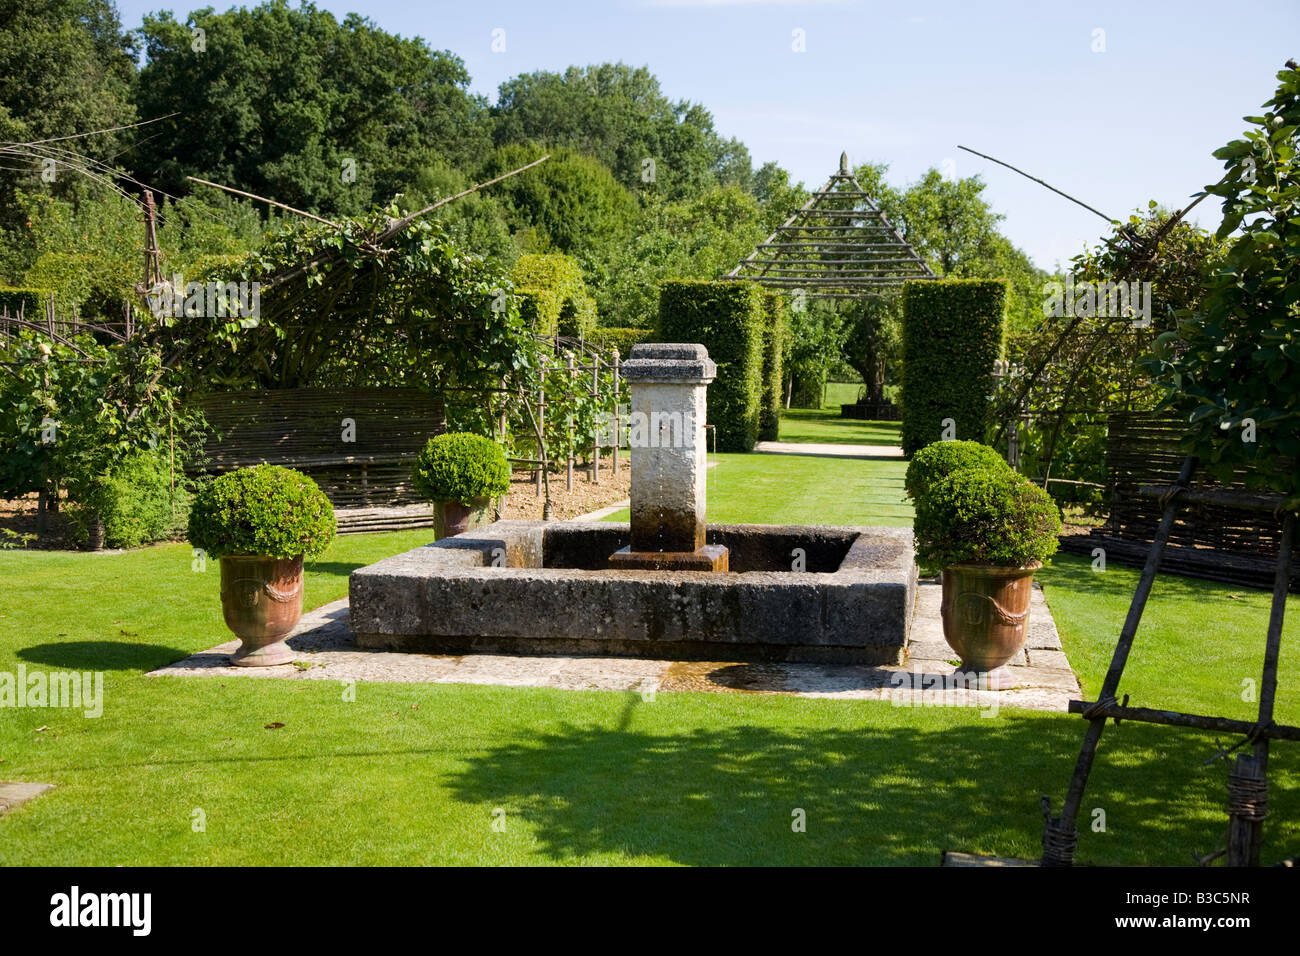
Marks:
<point>410,774</point>
<point>804,489</point>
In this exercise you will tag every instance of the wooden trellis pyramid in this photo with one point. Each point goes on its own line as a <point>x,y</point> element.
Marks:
<point>1248,780</point>
<point>838,245</point>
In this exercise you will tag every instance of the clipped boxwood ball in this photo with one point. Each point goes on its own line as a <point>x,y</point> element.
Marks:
<point>461,467</point>
<point>988,516</point>
<point>940,459</point>
<point>264,510</point>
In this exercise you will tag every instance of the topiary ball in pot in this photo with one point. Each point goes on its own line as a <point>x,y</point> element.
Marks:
<point>464,476</point>
<point>940,459</point>
<point>260,522</point>
<point>989,529</point>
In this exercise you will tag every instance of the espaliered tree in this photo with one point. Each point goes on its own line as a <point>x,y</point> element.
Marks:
<point>375,298</point>
<point>1232,366</point>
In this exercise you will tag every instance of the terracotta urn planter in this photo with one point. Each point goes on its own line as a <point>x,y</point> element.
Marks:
<point>985,614</point>
<point>261,598</point>
<point>452,517</point>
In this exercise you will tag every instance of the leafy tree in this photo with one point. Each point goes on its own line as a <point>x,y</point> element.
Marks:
<point>571,203</point>
<point>68,69</point>
<point>954,229</point>
<point>90,252</point>
<point>817,336</point>
<point>872,344</point>
<point>477,221</point>
<point>71,409</point>
<point>698,238</point>
<point>294,105</point>
<point>1068,371</point>
<point>619,116</point>
<point>1234,360</point>
<point>776,196</point>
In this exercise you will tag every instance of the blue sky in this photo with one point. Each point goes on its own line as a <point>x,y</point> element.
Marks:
<point>905,84</point>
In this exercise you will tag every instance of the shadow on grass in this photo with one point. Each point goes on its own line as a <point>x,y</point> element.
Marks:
<point>878,795</point>
<point>102,655</point>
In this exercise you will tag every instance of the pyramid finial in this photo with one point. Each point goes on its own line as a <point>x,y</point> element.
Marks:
<point>844,163</point>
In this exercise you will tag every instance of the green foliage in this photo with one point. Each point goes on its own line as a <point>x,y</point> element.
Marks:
<point>818,330</point>
<point>30,302</point>
<point>1236,357</point>
<point>461,467</point>
<point>871,347</point>
<point>68,69</point>
<point>1090,361</point>
<point>985,515</point>
<point>264,510</point>
<point>605,338</point>
<point>574,415</point>
<point>702,237</point>
<point>285,99</point>
<point>727,319</point>
<point>775,333</point>
<point>136,502</point>
<point>422,313</point>
<point>554,295</point>
<point>940,459</point>
<point>87,252</point>
<point>954,229</point>
<point>70,410</point>
<point>952,335</point>
<point>475,221</point>
<point>571,203</point>
<point>618,115</point>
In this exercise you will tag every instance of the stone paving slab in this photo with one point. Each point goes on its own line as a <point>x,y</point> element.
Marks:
<point>327,651</point>
<point>828,450</point>
<point>14,794</point>
<point>953,858</point>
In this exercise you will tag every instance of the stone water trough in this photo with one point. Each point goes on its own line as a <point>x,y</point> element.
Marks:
<point>663,585</point>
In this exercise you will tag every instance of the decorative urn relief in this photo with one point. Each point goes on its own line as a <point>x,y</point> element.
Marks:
<point>985,614</point>
<point>261,599</point>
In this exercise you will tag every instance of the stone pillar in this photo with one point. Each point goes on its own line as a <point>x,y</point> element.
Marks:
<point>669,465</point>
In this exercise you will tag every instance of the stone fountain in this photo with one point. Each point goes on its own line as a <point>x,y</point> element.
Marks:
<point>664,584</point>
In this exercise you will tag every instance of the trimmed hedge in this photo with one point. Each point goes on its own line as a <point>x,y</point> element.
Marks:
<point>774,336</point>
<point>985,515</point>
<point>938,460</point>
<point>460,466</point>
<point>554,295</point>
<point>622,339</point>
<point>264,510</point>
<point>727,319</point>
<point>30,301</point>
<point>952,336</point>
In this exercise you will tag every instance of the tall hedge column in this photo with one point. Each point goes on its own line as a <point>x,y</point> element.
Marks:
<point>952,336</point>
<point>727,319</point>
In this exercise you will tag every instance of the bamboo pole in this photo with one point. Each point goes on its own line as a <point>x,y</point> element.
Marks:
<point>595,427</point>
<point>569,430</point>
<point>1059,835</point>
<point>618,427</point>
